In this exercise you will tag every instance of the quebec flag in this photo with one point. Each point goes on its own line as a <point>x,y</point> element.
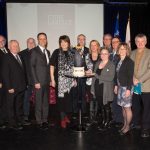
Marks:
<point>116,31</point>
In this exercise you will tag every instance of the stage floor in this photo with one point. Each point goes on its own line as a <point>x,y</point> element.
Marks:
<point>55,138</point>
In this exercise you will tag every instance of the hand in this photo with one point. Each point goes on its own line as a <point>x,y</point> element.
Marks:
<point>38,86</point>
<point>88,71</point>
<point>11,91</point>
<point>135,81</point>
<point>0,85</point>
<point>116,90</point>
<point>53,84</point>
<point>74,83</point>
<point>101,65</point>
<point>128,92</point>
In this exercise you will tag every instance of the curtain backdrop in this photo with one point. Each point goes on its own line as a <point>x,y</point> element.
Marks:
<point>139,22</point>
<point>3,20</point>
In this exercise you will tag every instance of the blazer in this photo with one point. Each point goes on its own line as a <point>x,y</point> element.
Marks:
<point>144,69</point>
<point>125,74</point>
<point>79,61</point>
<point>114,59</point>
<point>1,57</point>
<point>40,70</point>
<point>13,73</point>
<point>107,78</point>
<point>25,55</point>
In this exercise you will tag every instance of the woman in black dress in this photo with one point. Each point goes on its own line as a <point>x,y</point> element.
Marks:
<point>61,63</point>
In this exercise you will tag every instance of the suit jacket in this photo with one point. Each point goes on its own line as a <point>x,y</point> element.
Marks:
<point>1,57</point>
<point>114,58</point>
<point>79,61</point>
<point>39,68</point>
<point>125,74</point>
<point>13,73</point>
<point>25,55</point>
<point>144,69</point>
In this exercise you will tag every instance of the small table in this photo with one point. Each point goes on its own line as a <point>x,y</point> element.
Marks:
<point>80,127</point>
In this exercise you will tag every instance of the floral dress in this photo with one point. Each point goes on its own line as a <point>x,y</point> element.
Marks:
<point>121,99</point>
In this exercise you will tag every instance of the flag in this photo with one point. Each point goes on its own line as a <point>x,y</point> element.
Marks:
<point>116,31</point>
<point>127,39</point>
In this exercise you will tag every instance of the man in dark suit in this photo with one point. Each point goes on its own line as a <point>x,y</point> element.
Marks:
<point>107,39</point>
<point>25,54</point>
<point>80,52</point>
<point>14,82</point>
<point>3,113</point>
<point>40,69</point>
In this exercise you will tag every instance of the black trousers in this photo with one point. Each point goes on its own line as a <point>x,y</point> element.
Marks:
<point>79,96</point>
<point>15,107</point>
<point>99,93</point>
<point>141,110</point>
<point>41,104</point>
<point>3,112</point>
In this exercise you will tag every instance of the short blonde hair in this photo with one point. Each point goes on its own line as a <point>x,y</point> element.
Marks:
<point>97,43</point>
<point>126,46</point>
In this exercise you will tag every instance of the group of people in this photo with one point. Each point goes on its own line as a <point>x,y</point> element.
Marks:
<point>119,91</point>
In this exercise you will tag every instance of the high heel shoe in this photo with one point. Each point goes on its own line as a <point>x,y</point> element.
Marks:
<point>125,133</point>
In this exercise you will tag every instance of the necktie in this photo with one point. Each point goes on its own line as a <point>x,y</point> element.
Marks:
<point>4,51</point>
<point>19,61</point>
<point>45,54</point>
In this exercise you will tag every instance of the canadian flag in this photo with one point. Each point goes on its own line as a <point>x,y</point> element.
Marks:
<point>128,34</point>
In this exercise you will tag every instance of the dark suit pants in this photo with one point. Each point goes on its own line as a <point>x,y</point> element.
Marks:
<point>116,110</point>
<point>141,110</point>
<point>41,104</point>
<point>3,112</point>
<point>15,107</point>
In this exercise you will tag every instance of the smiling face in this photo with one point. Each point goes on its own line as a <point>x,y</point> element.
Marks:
<point>42,40</point>
<point>141,42</point>
<point>2,42</point>
<point>107,40</point>
<point>81,40</point>
<point>122,51</point>
<point>94,47</point>
<point>31,43</point>
<point>104,55</point>
<point>64,45</point>
<point>115,43</point>
<point>14,47</point>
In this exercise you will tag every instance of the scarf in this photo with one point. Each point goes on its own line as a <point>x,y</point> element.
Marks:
<point>65,66</point>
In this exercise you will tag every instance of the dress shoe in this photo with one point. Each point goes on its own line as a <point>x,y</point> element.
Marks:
<point>15,127</point>
<point>145,133</point>
<point>2,127</point>
<point>26,123</point>
<point>44,126</point>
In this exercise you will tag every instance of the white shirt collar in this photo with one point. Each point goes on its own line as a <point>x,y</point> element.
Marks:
<point>42,48</point>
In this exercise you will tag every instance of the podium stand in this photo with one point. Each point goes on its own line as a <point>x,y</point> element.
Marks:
<point>80,126</point>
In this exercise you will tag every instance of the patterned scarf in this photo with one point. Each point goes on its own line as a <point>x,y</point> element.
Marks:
<point>65,65</point>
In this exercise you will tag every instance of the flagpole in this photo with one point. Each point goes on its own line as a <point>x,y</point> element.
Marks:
<point>128,33</point>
